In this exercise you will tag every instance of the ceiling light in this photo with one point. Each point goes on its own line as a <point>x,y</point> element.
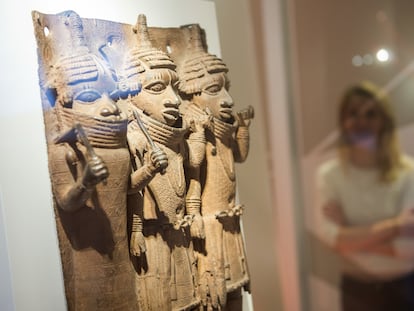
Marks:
<point>383,55</point>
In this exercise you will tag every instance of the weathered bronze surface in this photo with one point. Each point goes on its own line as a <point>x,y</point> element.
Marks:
<point>142,141</point>
<point>89,164</point>
<point>204,85</point>
<point>161,242</point>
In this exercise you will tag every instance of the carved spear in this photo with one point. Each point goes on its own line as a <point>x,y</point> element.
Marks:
<point>154,147</point>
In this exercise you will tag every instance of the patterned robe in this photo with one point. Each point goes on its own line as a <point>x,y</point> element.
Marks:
<point>165,273</point>
<point>93,240</point>
<point>222,265</point>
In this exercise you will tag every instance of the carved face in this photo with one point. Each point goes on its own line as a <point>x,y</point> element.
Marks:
<point>93,103</point>
<point>215,96</point>
<point>89,90</point>
<point>158,98</point>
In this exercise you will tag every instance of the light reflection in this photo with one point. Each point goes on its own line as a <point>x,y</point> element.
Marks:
<point>383,55</point>
<point>357,61</point>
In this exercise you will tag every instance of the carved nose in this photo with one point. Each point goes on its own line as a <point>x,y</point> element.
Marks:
<point>226,100</point>
<point>110,109</point>
<point>172,102</point>
<point>226,104</point>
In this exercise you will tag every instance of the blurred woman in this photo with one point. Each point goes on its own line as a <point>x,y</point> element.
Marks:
<point>367,206</point>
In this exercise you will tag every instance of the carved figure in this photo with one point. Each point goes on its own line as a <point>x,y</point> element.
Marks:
<point>222,266</point>
<point>89,166</point>
<point>160,242</point>
<point>135,183</point>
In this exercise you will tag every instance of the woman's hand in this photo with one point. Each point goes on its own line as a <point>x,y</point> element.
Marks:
<point>405,222</point>
<point>334,213</point>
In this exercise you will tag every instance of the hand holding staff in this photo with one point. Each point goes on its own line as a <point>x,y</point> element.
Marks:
<point>158,157</point>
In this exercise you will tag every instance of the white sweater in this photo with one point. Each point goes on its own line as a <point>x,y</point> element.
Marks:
<point>364,200</point>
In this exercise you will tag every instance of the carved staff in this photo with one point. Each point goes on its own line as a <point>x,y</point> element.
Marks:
<point>78,133</point>
<point>85,141</point>
<point>154,147</point>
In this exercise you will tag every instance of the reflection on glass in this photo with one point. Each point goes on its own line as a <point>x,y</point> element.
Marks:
<point>335,45</point>
<point>383,55</point>
<point>367,205</point>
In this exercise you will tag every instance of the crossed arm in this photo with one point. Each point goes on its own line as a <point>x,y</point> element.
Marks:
<point>373,238</point>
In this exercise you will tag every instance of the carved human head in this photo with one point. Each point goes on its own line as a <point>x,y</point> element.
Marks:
<point>80,80</point>
<point>203,78</point>
<point>155,72</point>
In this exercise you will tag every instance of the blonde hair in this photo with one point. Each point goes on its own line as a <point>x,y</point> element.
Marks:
<point>390,160</point>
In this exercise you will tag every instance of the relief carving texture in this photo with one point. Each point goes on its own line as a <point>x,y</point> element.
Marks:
<point>142,141</point>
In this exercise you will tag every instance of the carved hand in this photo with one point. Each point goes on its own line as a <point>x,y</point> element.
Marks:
<point>244,116</point>
<point>159,160</point>
<point>137,246</point>
<point>203,121</point>
<point>197,227</point>
<point>95,172</point>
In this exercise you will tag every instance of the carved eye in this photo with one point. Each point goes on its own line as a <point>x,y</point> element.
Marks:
<point>212,89</point>
<point>88,96</point>
<point>156,87</point>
